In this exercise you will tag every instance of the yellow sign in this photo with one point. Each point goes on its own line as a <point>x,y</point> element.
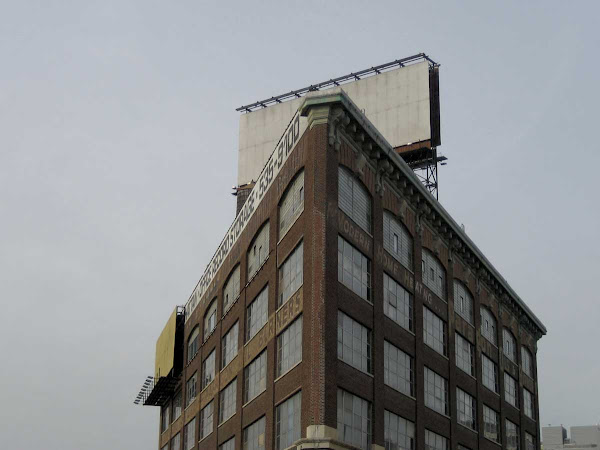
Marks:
<point>165,348</point>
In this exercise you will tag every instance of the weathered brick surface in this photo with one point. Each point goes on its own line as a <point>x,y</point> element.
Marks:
<point>320,373</point>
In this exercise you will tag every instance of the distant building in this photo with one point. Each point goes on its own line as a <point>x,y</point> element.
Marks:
<point>582,437</point>
<point>346,309</point>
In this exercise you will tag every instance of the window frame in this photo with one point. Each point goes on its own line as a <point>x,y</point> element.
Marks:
<point>443,389</point>
<point>431,266</point>
<point>403,299</point>
<point>484,377</point>
<point>261,239</point>
<point>292,403</point>
<point>207,362</point>
<point>210,319</point>
<point>398,242</point>
<point>231,289</point>
<point>231,391</point>
<point>255,373</point>
<point>347,266</point>
<point>464,308</point>
<point>342,395</point>
<point>348,181</point>
<point>509,345</point>
<point>291,334</point>
<point>295,189</point>
<point>288,287</point>
<point>388,370</point>
<point>431,335</point>
<point>230,344</point>
<point>487,319</point>
<point>366,362</point>
<point>459,351</point>
<point>261,304</point>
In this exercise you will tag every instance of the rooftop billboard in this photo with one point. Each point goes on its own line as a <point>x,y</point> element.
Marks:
<point>402,103</point>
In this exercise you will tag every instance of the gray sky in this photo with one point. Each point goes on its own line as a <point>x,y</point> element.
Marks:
<point>118,150</point>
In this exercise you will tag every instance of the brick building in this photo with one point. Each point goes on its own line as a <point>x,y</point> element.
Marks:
<point>346,309</point>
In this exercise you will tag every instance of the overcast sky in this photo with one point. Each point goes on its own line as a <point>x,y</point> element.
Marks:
<point>118,150</point>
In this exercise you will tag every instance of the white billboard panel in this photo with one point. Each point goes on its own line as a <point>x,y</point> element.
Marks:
<point>397,102</point>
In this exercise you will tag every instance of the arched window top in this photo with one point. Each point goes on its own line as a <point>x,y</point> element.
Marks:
<point>463,301</point>
<point>210,319</point>
<point>231,291</point>
<point>259,250</point>
<point>488,325</point>
<point>292,204</point>
<point>526,361</point>
<point>354,199</point>
<point>397,240</point>
<point>433,273</point>
<point>193,343</point>
<point>509,345</point>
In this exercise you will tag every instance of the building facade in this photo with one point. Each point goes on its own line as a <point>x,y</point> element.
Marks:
<point>350,311</point>
<point>582,437</point>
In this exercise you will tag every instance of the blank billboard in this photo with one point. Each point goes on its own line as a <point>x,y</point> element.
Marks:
<point>398,102</point>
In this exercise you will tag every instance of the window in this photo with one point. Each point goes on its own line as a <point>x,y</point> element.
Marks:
<point>254,435</point>
<point>397,303</point>
<point>467,409</point>
<point>231,291</point>
<point>227,401</point>
<point>189,435</point>
<point>164,418</point>
<point>436,392</point>
<point>193,344</point>
<point>210,319</point>
<point>354,199</point>
<point>491,424</point>
<point>291,274</point>
<point>289,347</point>
<point>528,403</point>
<point>509,345</point>
<point>463,302</point>
<point>176,442</point>
<point>434,332</point>
<point>398,369</point>
<point>354,269</point>
<point>165,447</point>
<point>256,316</point>
<point>354,343</point>
<point>255,377</point>
<point>433,274</point>
<point>206,419</point>
<point>229,346</point>
<point>526,362</point>
<point>353,420</point>
<point>489,374</point>
<point>177,405</point>
<point>399,432</point>
<point>258,251</point>
<point>228,445</point>
<point>511,392</point>
<point>434,441</point>
<point>529,442</point>
<point>465,354</point>
<point>287,422</point>
<point>208,369</point>
<point>488,325</point>
<point>191,389</point>
<point>397,240</point>
<point>292,204</point>
<point>512,436</point>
